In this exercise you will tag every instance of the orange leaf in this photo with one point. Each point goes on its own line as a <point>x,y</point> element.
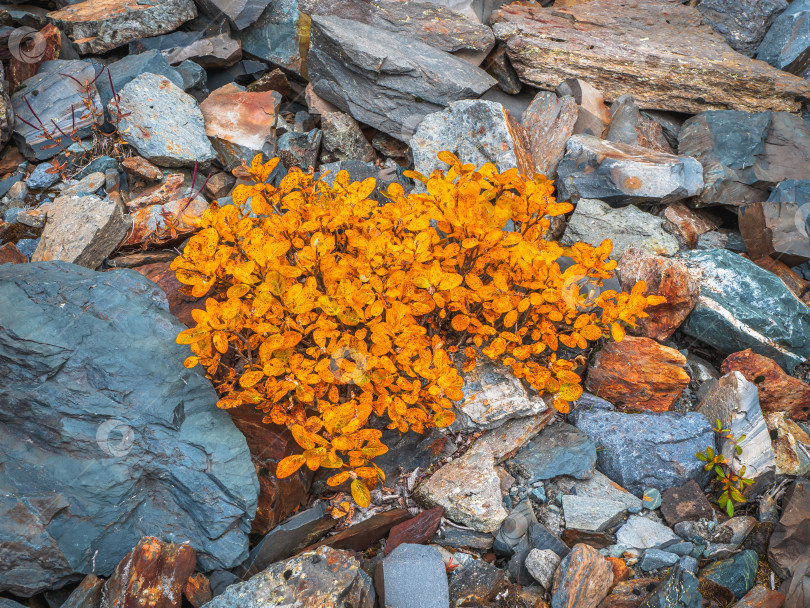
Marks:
<point>360,493</point>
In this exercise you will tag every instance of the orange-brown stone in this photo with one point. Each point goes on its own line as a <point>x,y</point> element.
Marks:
<point>32,51</point>
<point>638,373</point>
<point>620,570</point>
<point>198,590</point>
<point>180,305</point>
<point>9,254</point>
<point>582,580</point>
<point>688,224</point>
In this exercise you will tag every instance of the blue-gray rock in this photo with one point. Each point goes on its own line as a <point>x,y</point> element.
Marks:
<point>193,75</point>
<point>737,574</point>
<point>211,48</point>
<point>559,449</point>
<point>125,70</point>
<point>678,590</point>
<point>655,559</point>
<point>458,538</point>
<point>514,528</point>
<point>412,576</point>
<point>102,164</point>
<point>648,450</point>
<point>104,435</point>
<point>28,246</point>
<point>622,174</point>
<point>325,577</point>
<point>384,80</point>
<point>276,36</point>
<point>220,580</point>
<point>163,123</point>
<point>591,514</point>
<point>678,547</point>
<point>780,226</point>
<point>688,563</point>
<point>651,499</point>
<point>87,185</point>
<point>40,178</point>
<point>8,183</point>
<point>743,306</point>
<point>743,23</point>
<point>642,533</point>
<point>786,43</point>
<point>240,13</point>
<point>54,98</point>
<point>297,149</point>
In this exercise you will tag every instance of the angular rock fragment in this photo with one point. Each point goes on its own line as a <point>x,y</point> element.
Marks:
<point>296,149</point>
<point>743,306</point>
<point>497,65</point>
<point>688,224</point>
<point>240,13</point>
<point>542,564</point>
<point>686,502</point>
<point>396,578</point>
<point>628,125</point>
<point>32,50</point>
<point>343,139</point>
<point>642,533</point>
<point>476,583</point>
<point>736,574</point>
<point>791,536</point>
<point>743,23</point>
<point>549,122</point>
<point>514,528</point>
<point>356,67</point>
<point>559,449</point>
<point>240,124</point>
<point>279,36</point>
<point>361,536</point>
<point>798,286</point>
<point>593,115</point>
<point>209,49</point>
<point>678,590</point>
<point>166,222</point>
<point>621,174</point>
<point>762,597</point>
<point>791,445</point>
<point>655,60</point>
<point>418,530</point>
<point>130,67</point>
<point>9,254</point>
<point>163,123</point>
<point>582,579</point>
<point>638,373</point>
<point>628,227</point>
<point>97,26</point>
<point>591,514</point>
<point>786,43</point>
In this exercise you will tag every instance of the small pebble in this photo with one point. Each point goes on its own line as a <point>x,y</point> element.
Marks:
<point>651,499</point>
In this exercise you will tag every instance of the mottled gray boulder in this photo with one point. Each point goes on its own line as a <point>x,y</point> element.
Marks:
<point>163,123</point>
<point>559,449</point>
<point>476,131</point>
<point>743,23</point>
<point>621,174</point>
<point>343,139</point>
<point>277,36</point>
<point>412,576</point>
<point>743,306</point>
<point>591,514</point>
<point>130,67</point>
<point>384,80</point>
<point>786,43</point>
<point>744,154</point>
<point>642,533</point>
<point>647,450</point>
<point>594,221</point>
<point>52,96</point>
<point>104,435</point>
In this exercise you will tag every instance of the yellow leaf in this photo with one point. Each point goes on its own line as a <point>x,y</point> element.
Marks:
<point>337,479</point>
<point>191,362</point>
<point>289,465</point>
<point>360,493</point>
<point>617,331</point>
<point>248,379</point>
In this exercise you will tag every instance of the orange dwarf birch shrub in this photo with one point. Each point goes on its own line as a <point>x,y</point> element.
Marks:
<point>327,307</point>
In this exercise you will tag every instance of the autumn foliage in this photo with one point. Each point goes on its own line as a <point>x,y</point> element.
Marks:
<point>327,307</point>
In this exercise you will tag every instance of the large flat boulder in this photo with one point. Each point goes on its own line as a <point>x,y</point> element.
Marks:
<point>659,51</point>
<point>104,436</point>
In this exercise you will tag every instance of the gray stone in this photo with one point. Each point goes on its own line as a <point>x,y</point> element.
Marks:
<point>645,450</point>
<point>28,246</point>
<point>126,69</point>
<point>549,121</point>
<point>384,80</point>
<point>163,123</point>
<point>651,499</point>
<point>86,186</point>
<point>780,226</point>
<point>591,514</point>
<point>541,537</point>
<point>102,25</point>
<point>40,178</point>
<point>343,139</point>
<point>600,487</point>
<point>458,538</point>
<point>102,164</point>
<point>655,559</point>
<point>679,548</point>
<point>211,48</point>
<point>82,230</point>
<point>678,590</point>
<point>325,577</point>
<point>621,174</point>
<point>55,99</point>
<point>593,221</point>
<point>689,564</point>
<point>629,125</point>
<point>514,528</point>
<point>786,43</point>
<point>297,149</point>
<point>643,533</point>
<point>105,436</point>
<point>559,449</point>
<point>240,13</point>
<point>278,36</point>
<point>735,402</point>
<point>743,23</point>
<point>498,66</point>
<point>193,75</point>
<point>412,576</point>
<point>542,564</point>
<point>736,574</point>
<point>744,306</point>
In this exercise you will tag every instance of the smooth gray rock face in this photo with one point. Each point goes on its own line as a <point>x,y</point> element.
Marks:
<point>642,533</point>
<point>240,13</point>
<point>325,577</point>
<point>735,402</point>
<point>276,35</point>
<point>51,96</point>
<point>591,514</point>
<point>130,67</point>
<point>621,174</point>
<point>647,450</point>
<point>743,306</point>
<point>655,558</point>
<point>413,576</point>
<point>384,80</point>
<point>593,221</point>
<point>602,488</point>
<point>514,528</point>
<point>40,178</point>
<point>559,449</point>
<point>542,564</point>
<point>788,39</point>
<point>743,23</point>
<point>163,123</point>
<point>104,435</point>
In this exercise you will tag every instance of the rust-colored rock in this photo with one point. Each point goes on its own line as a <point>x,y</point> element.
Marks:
<point>268,444</point>
<point>152,575</point>
<point>792,281</point>
<point>685,503</point>
<point>274,80</point>
<point>9,254</point>
<point>169,190</point>
<point>582,580</point>
<point>629,594</point>
<point>360,537</point>
<point>761,597</point>
<point>659,51</point>
<point>180,305</point>
<point>664,277</point>
<point>141,169</point>
<point>198,590</point>
<point>620,570</point>
<point>638,373</point>
<point>790,444</point>
<point>166,223</point>
<point>87,595</point>
<point>688,224</point>
<point>417,530</point>
<point>32,50</point>
<point>778,392</point>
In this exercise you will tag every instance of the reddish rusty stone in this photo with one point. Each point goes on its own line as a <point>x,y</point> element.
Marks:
<point>597,540</point>
<point>9,254</point>
<point>778,392</point>
<point>198,590</point>
<point>141,169</point>
<point>761,597</point>
<point>620,570</point>
<point>274,80</point>
<point>629,594</point>
<point>11,161</point>
<point>34,49</point>
<point>360,537</point>
<point>180,305</point>
<point>685,503</point>
<point>152,575</point>
<point>638,373</point>
<point>664,277</point>
<point>160,224</point>
<point>268,444</point>
<point>87,595</point>
<point>417,530</point>
<point>688,224</point>
<point>169,190</point>
<point>582,579</point>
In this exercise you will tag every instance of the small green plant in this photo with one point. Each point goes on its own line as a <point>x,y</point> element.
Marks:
<point>733,483</point>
